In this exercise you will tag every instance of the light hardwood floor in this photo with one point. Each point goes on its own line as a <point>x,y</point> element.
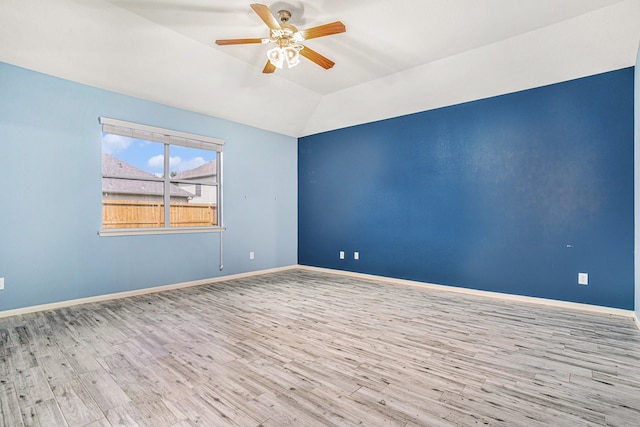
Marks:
<point>304,348</point>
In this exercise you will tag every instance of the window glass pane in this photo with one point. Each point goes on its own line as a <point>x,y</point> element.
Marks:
<point>195,168</point>
<point>197,211</point>
<point>122,155</point>
<point>193,164</point>
<point>128,202</point>
<point>132,204</point>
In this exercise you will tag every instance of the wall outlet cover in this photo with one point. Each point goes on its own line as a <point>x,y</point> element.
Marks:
<point>583,278</point>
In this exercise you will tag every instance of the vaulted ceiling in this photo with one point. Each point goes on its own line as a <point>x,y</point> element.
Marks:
<point>397,56</point>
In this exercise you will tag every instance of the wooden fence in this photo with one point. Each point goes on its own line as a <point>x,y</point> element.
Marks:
<point>137,214</point>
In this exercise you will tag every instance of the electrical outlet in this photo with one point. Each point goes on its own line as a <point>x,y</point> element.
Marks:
<point>356,255</point>
<point>252,255</point>
<point>583,279</point>
<point>341,254</point>
<point>1,283</point>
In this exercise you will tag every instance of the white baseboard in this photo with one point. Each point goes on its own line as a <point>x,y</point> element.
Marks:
<point>508,297</point>
<point>403,282</point>
<point>118,295</point>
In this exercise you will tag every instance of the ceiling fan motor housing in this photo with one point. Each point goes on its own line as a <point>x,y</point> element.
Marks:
<point>284,15</point>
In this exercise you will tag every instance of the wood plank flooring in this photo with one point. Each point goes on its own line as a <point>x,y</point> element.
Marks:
<point>301,348</point>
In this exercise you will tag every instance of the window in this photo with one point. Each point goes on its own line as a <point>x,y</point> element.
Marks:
<point>158,180</point>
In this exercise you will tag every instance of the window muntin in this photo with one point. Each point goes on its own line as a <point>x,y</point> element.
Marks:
<point>145,180</point>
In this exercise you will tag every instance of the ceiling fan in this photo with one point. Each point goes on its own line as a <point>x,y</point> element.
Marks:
<point>288,40</point>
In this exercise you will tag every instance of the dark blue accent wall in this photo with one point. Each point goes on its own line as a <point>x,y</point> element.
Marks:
<point>515,194</point>
<point>637,185</point>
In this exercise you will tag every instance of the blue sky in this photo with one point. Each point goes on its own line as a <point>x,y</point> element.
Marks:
<point>149,156</point>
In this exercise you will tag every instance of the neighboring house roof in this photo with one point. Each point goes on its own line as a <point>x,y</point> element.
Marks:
<point>114,166</point>
<point>204,171</point>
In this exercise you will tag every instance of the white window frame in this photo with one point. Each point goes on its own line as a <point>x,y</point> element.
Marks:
<point>167,137</point>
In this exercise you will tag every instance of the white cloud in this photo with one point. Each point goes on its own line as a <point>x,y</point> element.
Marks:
<point>112,144</point>
<point>188,164</point>
<point>175,163</point>
<point>156,162</point>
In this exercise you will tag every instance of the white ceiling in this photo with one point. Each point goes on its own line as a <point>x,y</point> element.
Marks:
<point>397,56</point>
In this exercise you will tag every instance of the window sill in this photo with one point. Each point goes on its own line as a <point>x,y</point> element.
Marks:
<point>145,231</point>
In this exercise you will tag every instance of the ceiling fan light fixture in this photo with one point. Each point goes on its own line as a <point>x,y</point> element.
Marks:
<point>276,57</point>
<point>288,40</point>
<point>280,55</point>
<point>292,56</point>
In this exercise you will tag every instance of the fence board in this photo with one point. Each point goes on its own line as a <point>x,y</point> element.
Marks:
<point>139,214</point>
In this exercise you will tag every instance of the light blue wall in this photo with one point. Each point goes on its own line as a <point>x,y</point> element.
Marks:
<point>50,196</point>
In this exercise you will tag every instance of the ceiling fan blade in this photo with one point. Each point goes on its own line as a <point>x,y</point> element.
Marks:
<point>237,41</point>
<point>269,68</point>
<point>323,30</point>
<point>314,56</point>
<point>267,17</point>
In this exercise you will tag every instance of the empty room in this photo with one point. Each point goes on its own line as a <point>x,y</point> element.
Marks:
<point>319,213</point>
